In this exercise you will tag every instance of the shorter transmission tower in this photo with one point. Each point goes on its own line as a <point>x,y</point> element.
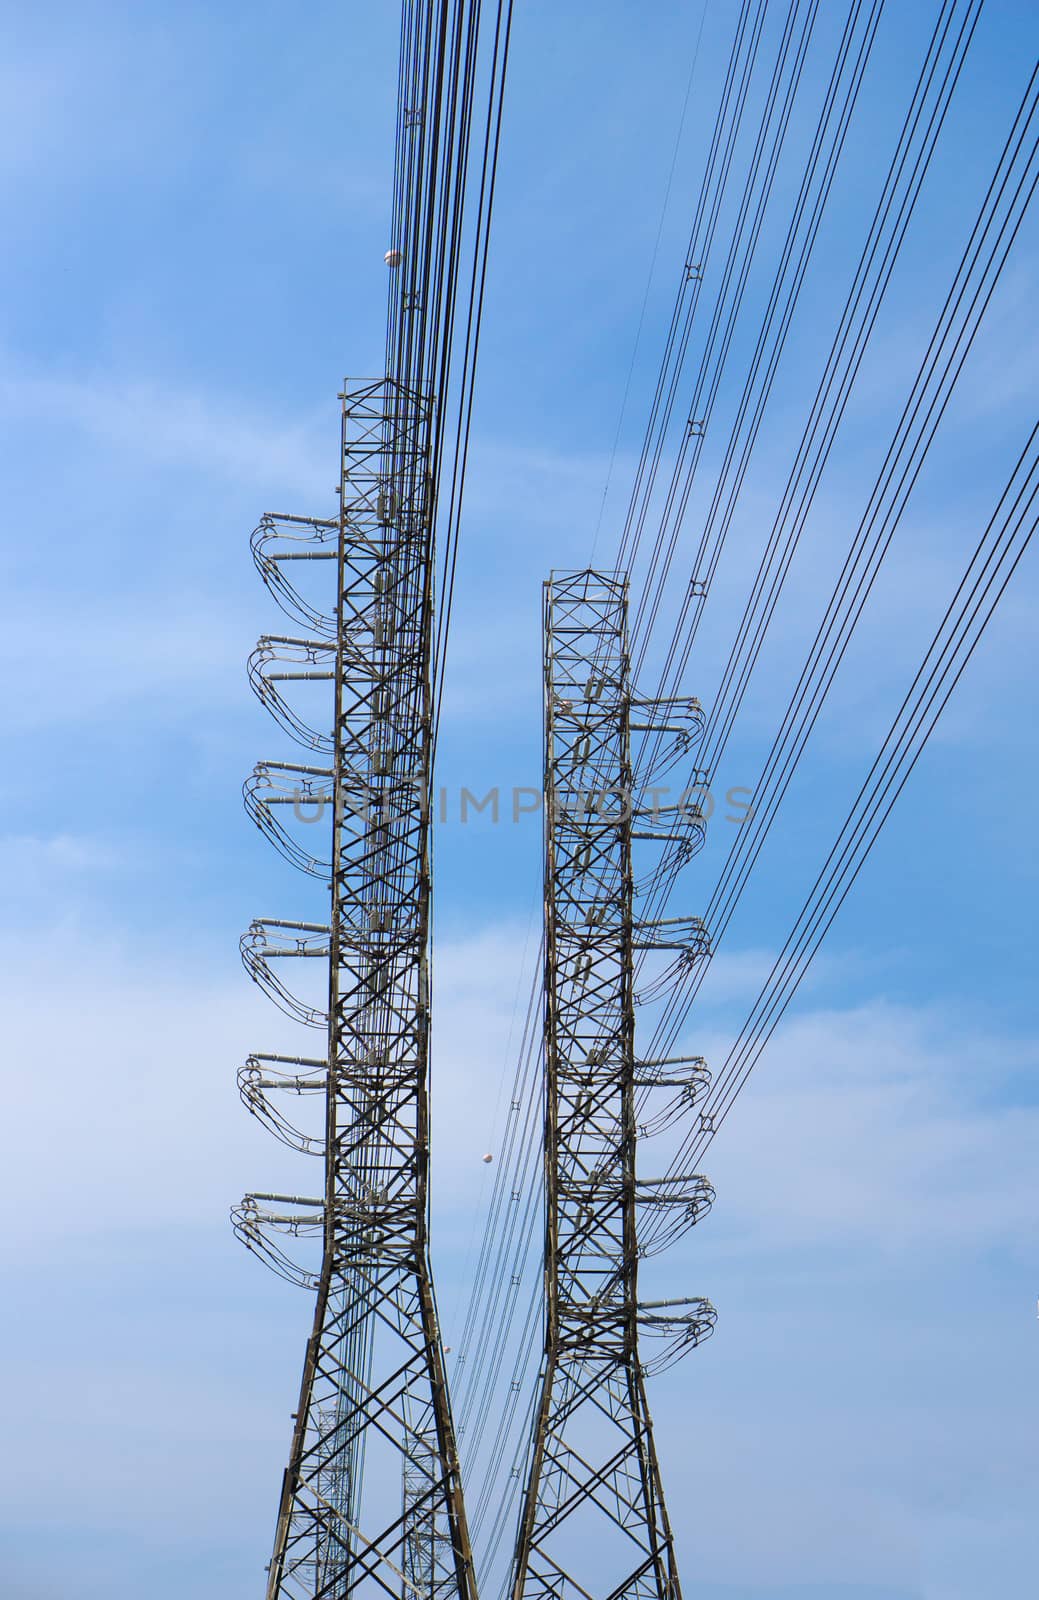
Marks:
<point>593,1520</point>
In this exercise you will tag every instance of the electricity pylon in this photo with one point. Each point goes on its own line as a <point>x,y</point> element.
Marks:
<point>593,1521</point>
<point>371,1501</point>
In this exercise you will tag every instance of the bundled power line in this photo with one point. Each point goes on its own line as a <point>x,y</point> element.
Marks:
<point>450,101</point>
<point>979,591</point>
<point>978,272</point>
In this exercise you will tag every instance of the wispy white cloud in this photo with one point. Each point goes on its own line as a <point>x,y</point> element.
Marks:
<point>882,1126</point>
<point>154,632</point>
<point>55,853</point>
<point>187,658</point>
<point>149,423</point>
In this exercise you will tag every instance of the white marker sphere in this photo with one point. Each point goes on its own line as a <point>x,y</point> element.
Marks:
<point>488,1158</point>
<point>393,258</point>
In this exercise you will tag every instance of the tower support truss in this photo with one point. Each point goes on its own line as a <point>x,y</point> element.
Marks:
<point>371,1502</point>
<point>593,1520</point>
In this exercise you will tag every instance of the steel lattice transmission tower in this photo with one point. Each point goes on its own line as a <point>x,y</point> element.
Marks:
<point>371,1501</point>
<point>593,1520</point>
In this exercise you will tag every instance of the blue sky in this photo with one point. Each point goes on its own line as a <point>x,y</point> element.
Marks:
<point>196,210</point>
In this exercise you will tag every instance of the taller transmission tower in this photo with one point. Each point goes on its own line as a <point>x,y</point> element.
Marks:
<point>594,1521</point>
<point>371,1501</point>
<point>374,1390</point>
